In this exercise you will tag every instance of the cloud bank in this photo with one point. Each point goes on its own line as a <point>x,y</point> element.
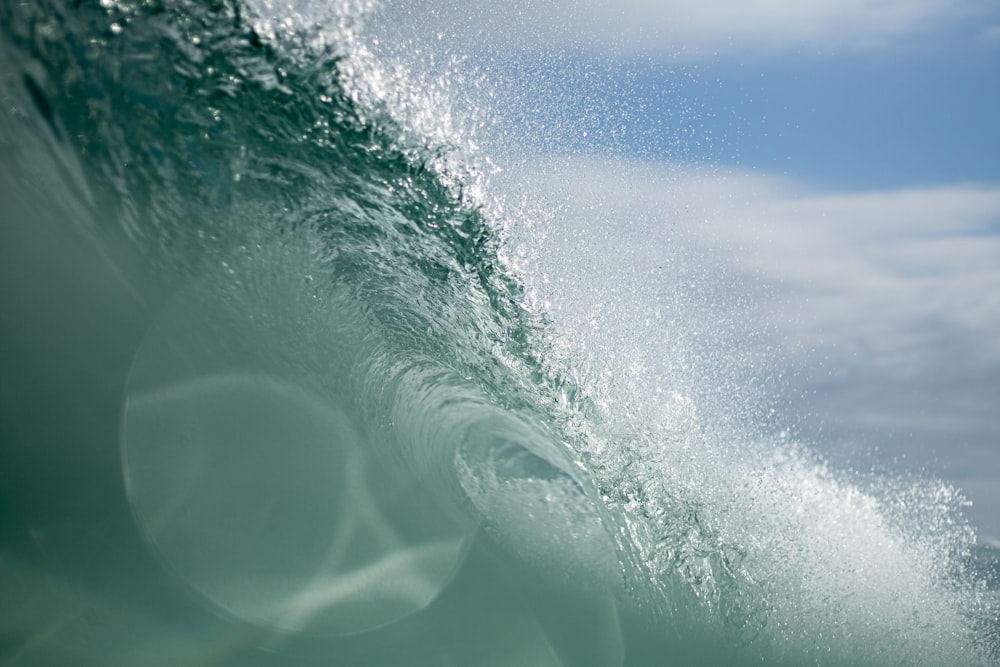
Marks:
<point>878,310</point>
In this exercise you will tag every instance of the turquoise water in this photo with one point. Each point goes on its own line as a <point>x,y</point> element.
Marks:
<point>277,389</point>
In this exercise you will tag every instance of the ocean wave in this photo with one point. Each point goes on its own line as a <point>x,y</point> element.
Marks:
<point>343,403</point>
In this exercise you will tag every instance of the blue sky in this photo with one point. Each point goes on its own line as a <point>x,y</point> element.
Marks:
<point>920,115</point>
<point>918,112</point>
<point>840,157</point>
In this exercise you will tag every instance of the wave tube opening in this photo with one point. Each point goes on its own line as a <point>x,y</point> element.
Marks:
<point>269,494</point>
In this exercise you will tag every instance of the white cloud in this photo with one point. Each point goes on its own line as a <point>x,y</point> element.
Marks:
<point>866,270</point>
<point>885,303</point>
<point>680,27</point>
<point>881,268</point>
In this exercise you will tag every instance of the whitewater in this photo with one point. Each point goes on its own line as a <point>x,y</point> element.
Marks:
<point>309,359</point>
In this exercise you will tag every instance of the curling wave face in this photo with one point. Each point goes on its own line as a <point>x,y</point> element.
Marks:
<point>340,425</point>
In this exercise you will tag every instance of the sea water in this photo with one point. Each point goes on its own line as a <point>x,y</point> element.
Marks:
<point>295,372</point>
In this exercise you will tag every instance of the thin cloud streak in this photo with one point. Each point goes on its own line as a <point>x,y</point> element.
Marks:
<point>723,24</point>
<point>683,29</point>
<point>991,34</point>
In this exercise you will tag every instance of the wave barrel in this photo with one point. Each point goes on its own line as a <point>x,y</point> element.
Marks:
<point>262,487</point>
